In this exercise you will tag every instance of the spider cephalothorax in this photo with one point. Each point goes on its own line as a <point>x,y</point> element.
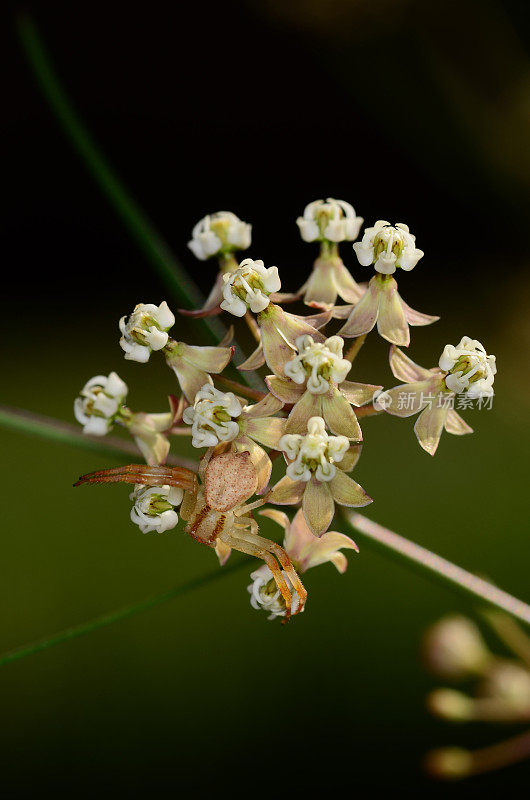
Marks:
<point>217,512</point>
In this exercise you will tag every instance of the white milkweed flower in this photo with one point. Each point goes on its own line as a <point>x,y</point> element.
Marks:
<point>319,363</point>
<point>212,417</point>
<point>471,369</point>
<point>99,403</point>
<point>154,507</point>
<point>387,247</point>
<point>331,220</point>
<point>249,286</point>
<point>222,232</point>
<point>265,594</point>
<point>145,330</point>
<point>314,454</point>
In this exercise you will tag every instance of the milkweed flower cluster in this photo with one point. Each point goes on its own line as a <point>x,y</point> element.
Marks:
<point>305,417</point>
<point>455,650</point>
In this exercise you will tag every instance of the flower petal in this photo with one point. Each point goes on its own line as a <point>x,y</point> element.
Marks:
<point>190,377</point>
<point>228,338</point>
<point>342,312</point>
<point>292,325</point>
<point>308,406</point>
<point>318,506</point>
<point>348,289</point>
<point>455,424</point>
<point>351,457</point>
<point>266,430</point>
<point>340,416</point>
<point>209,359</point>
<point>358,393</point>
<point>276,349</point>
<point>286,390</point>
<point>316,321</point>
<point>223,551</point>
<point>298,537</point>
<point>364,315</point>
<point>417,317</point>
<point>429,427</point>
<point>266,407</point>
<point>259,458</point>
<point>213,303</point>
<point>320,289</point>
<point>286,492</point>
<point>404,368</point>
<point>154,447</point>
<point>346,492</point>
<point>392,323</point>
<point>280,517</point>
<point>254,361</point>
<point>327,549</point>
<point>409,398</point>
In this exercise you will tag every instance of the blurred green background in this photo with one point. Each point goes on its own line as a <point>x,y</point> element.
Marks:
<point>202,693</point>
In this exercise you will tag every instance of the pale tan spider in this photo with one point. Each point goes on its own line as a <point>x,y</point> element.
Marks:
<point>216,509</point>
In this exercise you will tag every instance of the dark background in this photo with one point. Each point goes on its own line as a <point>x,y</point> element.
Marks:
<point>412,111</point>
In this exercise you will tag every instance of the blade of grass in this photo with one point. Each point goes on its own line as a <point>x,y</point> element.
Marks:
<point>18,419</point>
<point>432,565</point>
<point>121,614</point>
<point>156,250</point>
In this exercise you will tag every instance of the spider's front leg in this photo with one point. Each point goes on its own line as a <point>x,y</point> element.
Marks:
<point>269,552</point>
<point>249,548</point>
<point>144,474</point>
<point>283,558</point>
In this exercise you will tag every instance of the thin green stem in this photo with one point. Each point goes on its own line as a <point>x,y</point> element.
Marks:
<point>428,563</point>
<point>154,247</point>
<point>119,615</point>
<point>18,419</point>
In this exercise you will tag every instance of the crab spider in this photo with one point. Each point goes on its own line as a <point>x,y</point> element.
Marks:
<point>217,509</point>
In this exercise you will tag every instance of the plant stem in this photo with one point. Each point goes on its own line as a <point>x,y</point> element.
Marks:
<point>427,562</point>
<point>455,763</point>
<point>353,351</point>
<point>509,631</point>
<point>154,247</point>
<point>18,419</point>
<point>253,326</point>
<point>119,615</point>
<point>367,411</point>
<point>234,386</point>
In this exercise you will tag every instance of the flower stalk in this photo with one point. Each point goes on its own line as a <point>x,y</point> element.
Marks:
<point>434,566</point>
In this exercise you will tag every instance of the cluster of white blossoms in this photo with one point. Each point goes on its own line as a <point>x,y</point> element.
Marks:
<point>471,369</point>
<point>314,454</point>
<point>99,403</point>
<point>308,413</point>
<point>318,363</point>
<point>331,220</point>
<point>249,287</point>
<point>154,507</point>
<point>265,595</point>
<point>222,232</point>
<point>212,417</point>
<point>388,247</point>
<point>145,330</point>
